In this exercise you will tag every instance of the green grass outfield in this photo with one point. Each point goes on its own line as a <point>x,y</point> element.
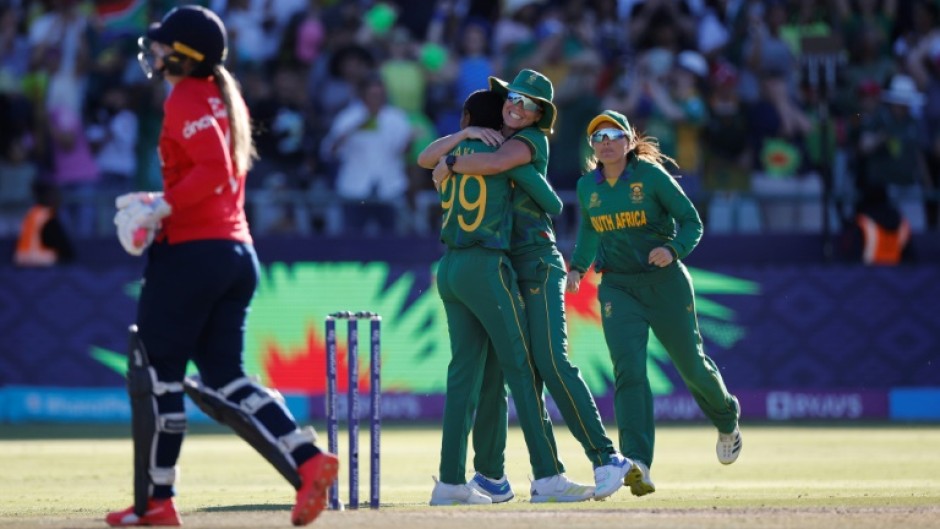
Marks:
<point>787,477</point>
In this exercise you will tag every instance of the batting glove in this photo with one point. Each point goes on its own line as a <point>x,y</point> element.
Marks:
<point>138,218</point>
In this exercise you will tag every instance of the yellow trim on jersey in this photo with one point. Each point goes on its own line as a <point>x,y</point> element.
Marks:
<point>529,142</point>
<point>561,380</point>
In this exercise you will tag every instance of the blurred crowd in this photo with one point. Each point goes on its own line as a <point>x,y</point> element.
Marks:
<point>782,114</point>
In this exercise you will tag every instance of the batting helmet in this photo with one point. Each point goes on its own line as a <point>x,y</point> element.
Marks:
<point>194,32</point>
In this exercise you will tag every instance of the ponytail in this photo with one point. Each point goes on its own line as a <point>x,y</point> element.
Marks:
<point>647,149</point>
<point>242,143</point>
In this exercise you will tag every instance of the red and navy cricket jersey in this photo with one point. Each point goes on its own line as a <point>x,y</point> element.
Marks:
<point>200,180</point>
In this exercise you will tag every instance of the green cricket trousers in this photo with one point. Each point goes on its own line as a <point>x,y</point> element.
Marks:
<point>482,302</point>
<point>542,283</point>
<point>662,300</point>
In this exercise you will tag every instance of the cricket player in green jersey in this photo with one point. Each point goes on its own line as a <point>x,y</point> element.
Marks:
<point>636,226</point>
<point>528,114</point>
<point>474,277</point>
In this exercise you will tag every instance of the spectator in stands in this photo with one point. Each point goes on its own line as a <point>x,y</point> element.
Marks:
<point>880,234</point>
<point>868,20</point>
<point>74,169</point>
<point>515,26</point>
<point>923,24</point>
<point>578,102</point>
<point>17,172</point>
<point>662,24</point>
<point>714,36</point>
<point>611,40</point>
<point>468,72</point>
<point>772,68</point>
<point>689,114</point>
<point>889,143</point>
<point>283,137</point>
<point>43,240</point>
<point>256,30</point>
<point>55,52</point>
<point>14,49</point>
<point>559,36</point>
<point>406,81</point>
<point>806,18</point>
<point>923,63</point>
<point>867,95</point>
<point>726,173</point>
<point>867,64</point>
<point>402,74</point>
<point>369,140</point>
<point>114,141</point>
<point>63,30</point>
<point>249,33</point>
<point>334,86</point>
<point>305,36</point>
<point>668,105</point>
<point>280,114</point>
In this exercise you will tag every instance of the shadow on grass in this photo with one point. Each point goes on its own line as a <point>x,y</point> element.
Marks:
<point>251,508</point>
<point>89,430</point>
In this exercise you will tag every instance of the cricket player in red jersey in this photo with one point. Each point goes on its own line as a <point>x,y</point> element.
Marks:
<point>200,276</point>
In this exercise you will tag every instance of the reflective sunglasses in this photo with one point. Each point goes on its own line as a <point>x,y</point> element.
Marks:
<point>527,102</point>
<point>608,134</point>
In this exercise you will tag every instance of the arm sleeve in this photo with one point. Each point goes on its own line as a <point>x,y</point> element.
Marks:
<point>199,134</point>
<point>585,247</point>
<point>675,201</point>
<point>503,159</point>
<point>537,187</point>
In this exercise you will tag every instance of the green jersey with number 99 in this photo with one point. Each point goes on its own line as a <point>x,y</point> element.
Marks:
<point>477,210</point>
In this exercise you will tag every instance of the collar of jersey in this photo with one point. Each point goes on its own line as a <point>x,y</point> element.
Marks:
<point>599,174</point>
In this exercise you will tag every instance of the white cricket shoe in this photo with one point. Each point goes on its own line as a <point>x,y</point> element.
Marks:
<point>729,446</point>
<point>497,490</point>
<point>638,479</point>
<point>559,489</point>
<point>610,477</point>
<point>447,494</point>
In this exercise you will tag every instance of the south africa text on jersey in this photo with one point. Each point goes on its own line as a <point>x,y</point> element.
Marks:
<point>619,220</point>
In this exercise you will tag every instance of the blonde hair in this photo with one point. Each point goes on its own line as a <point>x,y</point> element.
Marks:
<point>242,144</point>
<point>645,148</point>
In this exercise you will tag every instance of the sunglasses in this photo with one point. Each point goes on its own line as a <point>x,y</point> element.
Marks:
<point>527,102</point>
<point>608,134</point>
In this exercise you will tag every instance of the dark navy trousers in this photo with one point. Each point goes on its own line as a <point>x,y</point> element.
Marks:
<point>193,306</point>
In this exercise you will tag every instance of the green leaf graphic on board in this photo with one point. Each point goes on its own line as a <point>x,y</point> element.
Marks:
<point>285,336</point>
<point>588,349</point>
<point>284,341</point>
